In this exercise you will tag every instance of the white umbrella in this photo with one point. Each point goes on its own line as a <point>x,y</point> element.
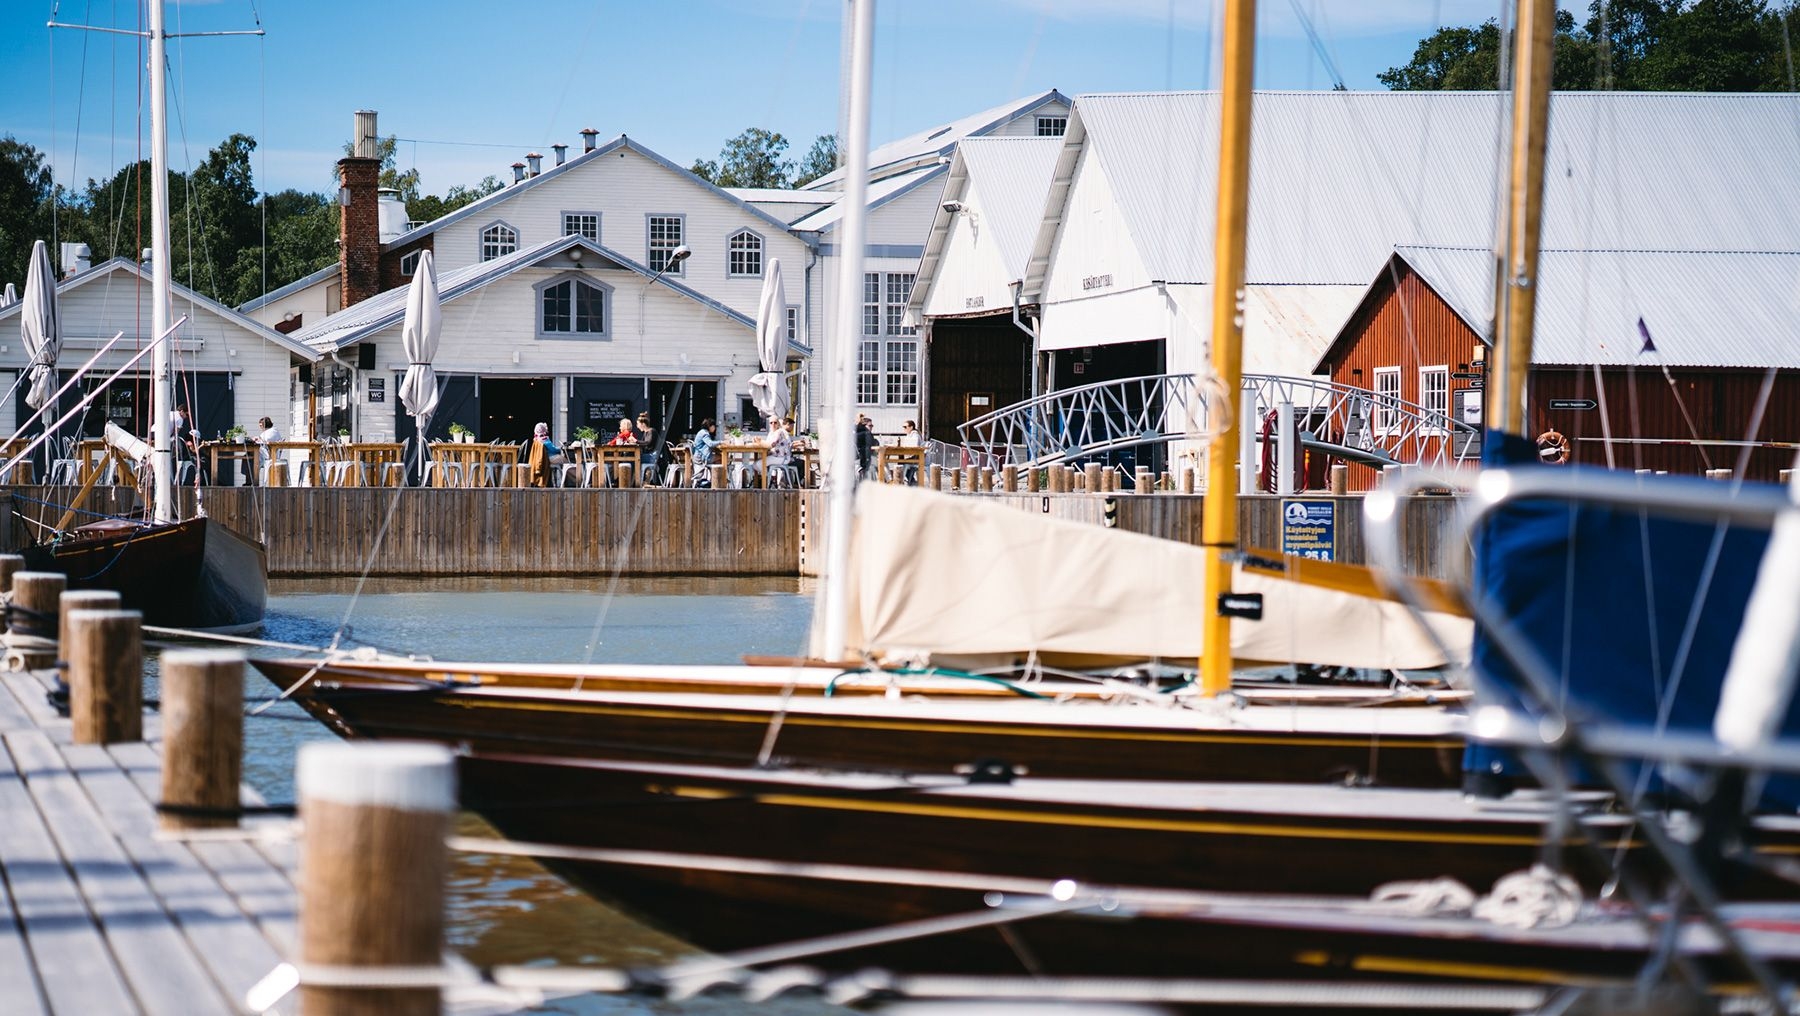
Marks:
<point>10,297</point>
<point>40,328</point>
<point>419,336</point>
<point>768,390</point>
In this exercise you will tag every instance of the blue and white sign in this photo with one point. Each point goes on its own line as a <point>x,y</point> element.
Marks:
<point>1309,529</point>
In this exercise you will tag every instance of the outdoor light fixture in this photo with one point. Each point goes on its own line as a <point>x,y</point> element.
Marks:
<point>679,254</point>
<point>954,207</point>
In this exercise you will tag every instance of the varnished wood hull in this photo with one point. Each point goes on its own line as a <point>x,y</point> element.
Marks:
<point>190,574</point>
<point>1039,737</point>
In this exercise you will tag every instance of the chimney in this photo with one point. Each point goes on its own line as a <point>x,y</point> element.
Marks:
<point>562,152</point>
<point>359,201</point>
<point>537,162</point>
<point>590,139</point>
<point>518,172</point>
<point>76,258</point>
<point>393,214</point>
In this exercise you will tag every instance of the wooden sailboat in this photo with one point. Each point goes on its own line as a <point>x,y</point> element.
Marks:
<point>182,572</point>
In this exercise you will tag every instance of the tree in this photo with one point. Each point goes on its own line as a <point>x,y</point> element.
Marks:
<point>752,159</point>
<point>26,191</point>
<point>388,151</point>
<point>429,207</point>
<point>1468,59</point>
<point>820,159</point>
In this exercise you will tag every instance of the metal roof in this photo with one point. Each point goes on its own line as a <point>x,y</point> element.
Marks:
<point>941,139</point>
<point>880,193</point>
<point>1338,179</point>
<point>358,321</point>
<point>775,195</point>
<point>328,272</point>
<point>1011,175</point>
<point>1702,308</point>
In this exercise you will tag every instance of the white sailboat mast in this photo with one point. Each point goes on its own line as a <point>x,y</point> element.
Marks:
<point>162,388</point>
<point>846,327</point>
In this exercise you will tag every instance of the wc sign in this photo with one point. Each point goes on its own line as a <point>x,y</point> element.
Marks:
<point>1309,529</point>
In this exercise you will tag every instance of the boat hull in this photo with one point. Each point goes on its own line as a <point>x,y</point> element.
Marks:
<point>192,574</point>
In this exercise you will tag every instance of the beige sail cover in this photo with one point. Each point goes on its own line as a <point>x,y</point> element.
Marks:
<point>961,581</point>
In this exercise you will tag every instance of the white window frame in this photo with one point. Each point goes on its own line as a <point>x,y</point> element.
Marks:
<point>578,231</point>
<point>1434,415</point>
<point>409,262</point>
<point>792,318</point>
<point>888,344</point>
<point>488,249</point>
<point>541,292</point>
<point>650,242</point>
<point>732,250</point>
<point>1387,404</point>
<point>1052,126</point>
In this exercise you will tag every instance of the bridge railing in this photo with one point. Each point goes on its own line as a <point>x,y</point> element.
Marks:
<point>1385,428</point>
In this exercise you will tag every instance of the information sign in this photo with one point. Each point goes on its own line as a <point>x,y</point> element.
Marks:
<point>1309,529</point>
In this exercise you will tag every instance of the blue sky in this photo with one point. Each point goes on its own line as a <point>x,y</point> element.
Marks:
<point>681,77</point>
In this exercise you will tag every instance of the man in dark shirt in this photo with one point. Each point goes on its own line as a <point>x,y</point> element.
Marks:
<point>865,444</point>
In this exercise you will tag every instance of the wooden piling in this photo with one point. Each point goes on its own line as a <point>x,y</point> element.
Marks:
<point>203,735</point>
<point>1340,478</point>
<point>1009,478</point>
<point>1718,474</point>
<point>374,864</point>
<point>82,599</point>
<point>1787,476</point>
<point>1168,482</point>
<point>1094,477</point>
<point>1187,479</point>
<point>1141,483</point>
<point>971,477</point>
<point>31,638</point>
<point>1031,480</point>
<point>104,648</point>
<point>10,565</point>
<point>716,474</point>
<point>987,479</point>
<point>934,476</point>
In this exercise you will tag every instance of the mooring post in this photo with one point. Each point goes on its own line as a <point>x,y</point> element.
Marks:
<point>203,737</point>
<point>1141,482</point>
<point>1718,474</point>
<point>373,865</point>
<point>934,475</point>
<point>1340,478</point>
<point>1787,476</point>
<point>31,628</point>
<point>987,479</point>
<point>1187,479</point>
<point>1168,481</point>
<point>10,565</point>
<point>104,649</point>
<point>1031,480</point>
<point>716,475</point>
<point>1095,477</point>
<point>1009,478</point>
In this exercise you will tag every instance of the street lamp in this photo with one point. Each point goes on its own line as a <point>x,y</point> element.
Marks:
<point>676,256</point>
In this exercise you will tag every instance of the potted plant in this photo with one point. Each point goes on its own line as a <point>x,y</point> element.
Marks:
<point>461,434</point>
<point>343,433</point>
<point>236,434</point>
<point>586,436</point>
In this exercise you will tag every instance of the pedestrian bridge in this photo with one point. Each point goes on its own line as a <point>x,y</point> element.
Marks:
<point>1348,423</point>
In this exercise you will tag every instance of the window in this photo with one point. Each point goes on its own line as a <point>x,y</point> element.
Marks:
<point>410,263</point>
<point>572,306</point>
<point>498,240</point>
<point>666,234</point>
<point>1052,126</point>
<point>583,224</point>
<point>744,257</point>
<point>888,359</point>
<point>1387,399</point>
<point>793,324</point>
<point>1434,396</point>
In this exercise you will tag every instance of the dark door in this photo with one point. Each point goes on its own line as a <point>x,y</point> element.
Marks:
<point>210,398</point>
<point>512,406</point>
<point>601,402</point>
<point>679,408</point>
<point>457,403</point>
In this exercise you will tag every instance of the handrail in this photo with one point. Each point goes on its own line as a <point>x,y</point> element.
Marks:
<point>89,397</point>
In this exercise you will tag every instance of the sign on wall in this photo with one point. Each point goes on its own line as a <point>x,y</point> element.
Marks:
<point>378,389</point>
<point>607,410</point>
<point>1309,529</point>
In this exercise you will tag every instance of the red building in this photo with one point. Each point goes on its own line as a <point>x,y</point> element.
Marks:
<point>1669,360</point>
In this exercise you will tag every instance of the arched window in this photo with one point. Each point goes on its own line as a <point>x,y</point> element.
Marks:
<point>745,255</point>
<point>573,306</point>
<point>498,240</point>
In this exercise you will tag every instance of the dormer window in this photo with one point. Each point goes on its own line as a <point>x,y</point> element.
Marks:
<point>573,306</point>
<point>498,240</point>
<point>409,263</point>
<point>1052,126</point>
<point>745,255</point>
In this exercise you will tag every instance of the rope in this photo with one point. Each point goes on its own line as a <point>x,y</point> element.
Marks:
<point>831,685</point>
<point>1537,898</point>
<point>1436,897</point>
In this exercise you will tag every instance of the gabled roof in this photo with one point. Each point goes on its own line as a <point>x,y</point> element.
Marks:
<point>359,321</point>
<point>880,193</point>
<point>1011,175</point>
<point>322,275</point>
<point>178,292</point>
<point>777,196</point>
<point>1338,179</point>
<point>939,140</point>
<point>484,205</point>
<point>1727,309</point>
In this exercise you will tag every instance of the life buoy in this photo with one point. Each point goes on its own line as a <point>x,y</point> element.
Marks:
<point>1553,448</point>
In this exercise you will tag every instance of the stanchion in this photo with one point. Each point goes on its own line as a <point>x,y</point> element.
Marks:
<point>373,865</point>
<point>31,630</point>
<point>203,737</point>
<point>104,649</point>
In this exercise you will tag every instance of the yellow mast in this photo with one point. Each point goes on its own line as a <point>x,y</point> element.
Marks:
<point>1530,125</point>
<point>1218,526</point>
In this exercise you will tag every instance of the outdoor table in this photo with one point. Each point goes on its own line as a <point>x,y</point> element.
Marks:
<point>229,451</point>
<point>502,461</point>
<point>467,457</point>
<point>754,456</point>
<point>378,462</point>
<point>809,466</point>
<point>9,449</point>
<point>897,458</point>
<point>611,457</point>
<point>289,473</point>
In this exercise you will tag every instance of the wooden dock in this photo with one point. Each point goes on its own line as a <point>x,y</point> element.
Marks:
<point>97,915</point>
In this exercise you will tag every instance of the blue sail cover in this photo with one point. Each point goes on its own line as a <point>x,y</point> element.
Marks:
<point>1634,615</point>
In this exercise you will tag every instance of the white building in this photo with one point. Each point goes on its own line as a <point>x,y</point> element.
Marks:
<point>229,368</point>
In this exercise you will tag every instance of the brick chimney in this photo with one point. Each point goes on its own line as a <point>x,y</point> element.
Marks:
<point>359,232</point>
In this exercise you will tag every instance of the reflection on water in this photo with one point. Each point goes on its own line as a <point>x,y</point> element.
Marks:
<point>509,910</point>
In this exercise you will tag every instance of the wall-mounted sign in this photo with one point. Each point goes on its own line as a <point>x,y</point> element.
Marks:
<point>1309,529</point>
<point>974,302</point>
<point>1097,281</point>
<point>378,389</point>
<point>1577,404</point>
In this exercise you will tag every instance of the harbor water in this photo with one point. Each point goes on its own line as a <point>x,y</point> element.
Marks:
<point>508,910</point>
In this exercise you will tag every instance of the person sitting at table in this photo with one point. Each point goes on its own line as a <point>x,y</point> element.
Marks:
<point>266,435</point>
<point>646,436</point>
<point>700,449</point>
<point>542,457</point>
<point>625,436</point>
<point>909,438</point>
<point>781,452</point>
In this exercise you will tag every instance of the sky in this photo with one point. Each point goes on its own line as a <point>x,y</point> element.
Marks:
<point>472,86</point>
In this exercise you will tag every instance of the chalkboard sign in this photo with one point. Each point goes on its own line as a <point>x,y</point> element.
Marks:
<point>606,410</point>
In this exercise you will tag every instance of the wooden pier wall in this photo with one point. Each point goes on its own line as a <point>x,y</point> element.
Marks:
<point>330,531</point>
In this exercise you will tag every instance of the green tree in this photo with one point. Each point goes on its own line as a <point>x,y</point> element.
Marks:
<point>392,177</point>
<point>752,159</point>
<point>1468,59</point>
<point>26,191</point>
<point>820,159</point>
<point>430,206</point>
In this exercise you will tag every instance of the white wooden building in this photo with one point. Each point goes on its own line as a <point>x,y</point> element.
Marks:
<point>230,369</point>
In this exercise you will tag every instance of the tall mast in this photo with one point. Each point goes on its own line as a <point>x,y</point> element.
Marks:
<point>162,387</point>
<point>846,330</point>
<point>1525,206</point>
<point>1218,525</point>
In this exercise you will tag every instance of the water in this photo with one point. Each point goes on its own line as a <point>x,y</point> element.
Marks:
<point>507,910</point>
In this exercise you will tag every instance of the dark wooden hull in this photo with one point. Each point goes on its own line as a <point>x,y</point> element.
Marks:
<point>732,730</point>
<point>190,574</point>
<point>1171,836</point>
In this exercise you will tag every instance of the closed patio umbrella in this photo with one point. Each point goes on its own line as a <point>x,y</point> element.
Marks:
<point>419,335</point>
<point>10,297</point>
<point>768,390</point>
<point>40,328</point>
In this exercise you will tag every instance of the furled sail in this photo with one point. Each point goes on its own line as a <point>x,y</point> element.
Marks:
<point>958,581</point>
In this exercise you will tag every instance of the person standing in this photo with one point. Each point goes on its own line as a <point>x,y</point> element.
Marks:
<point>865,444</point>
<point>646,436</point>
<point>700,449</point>
<point>266,435</point>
